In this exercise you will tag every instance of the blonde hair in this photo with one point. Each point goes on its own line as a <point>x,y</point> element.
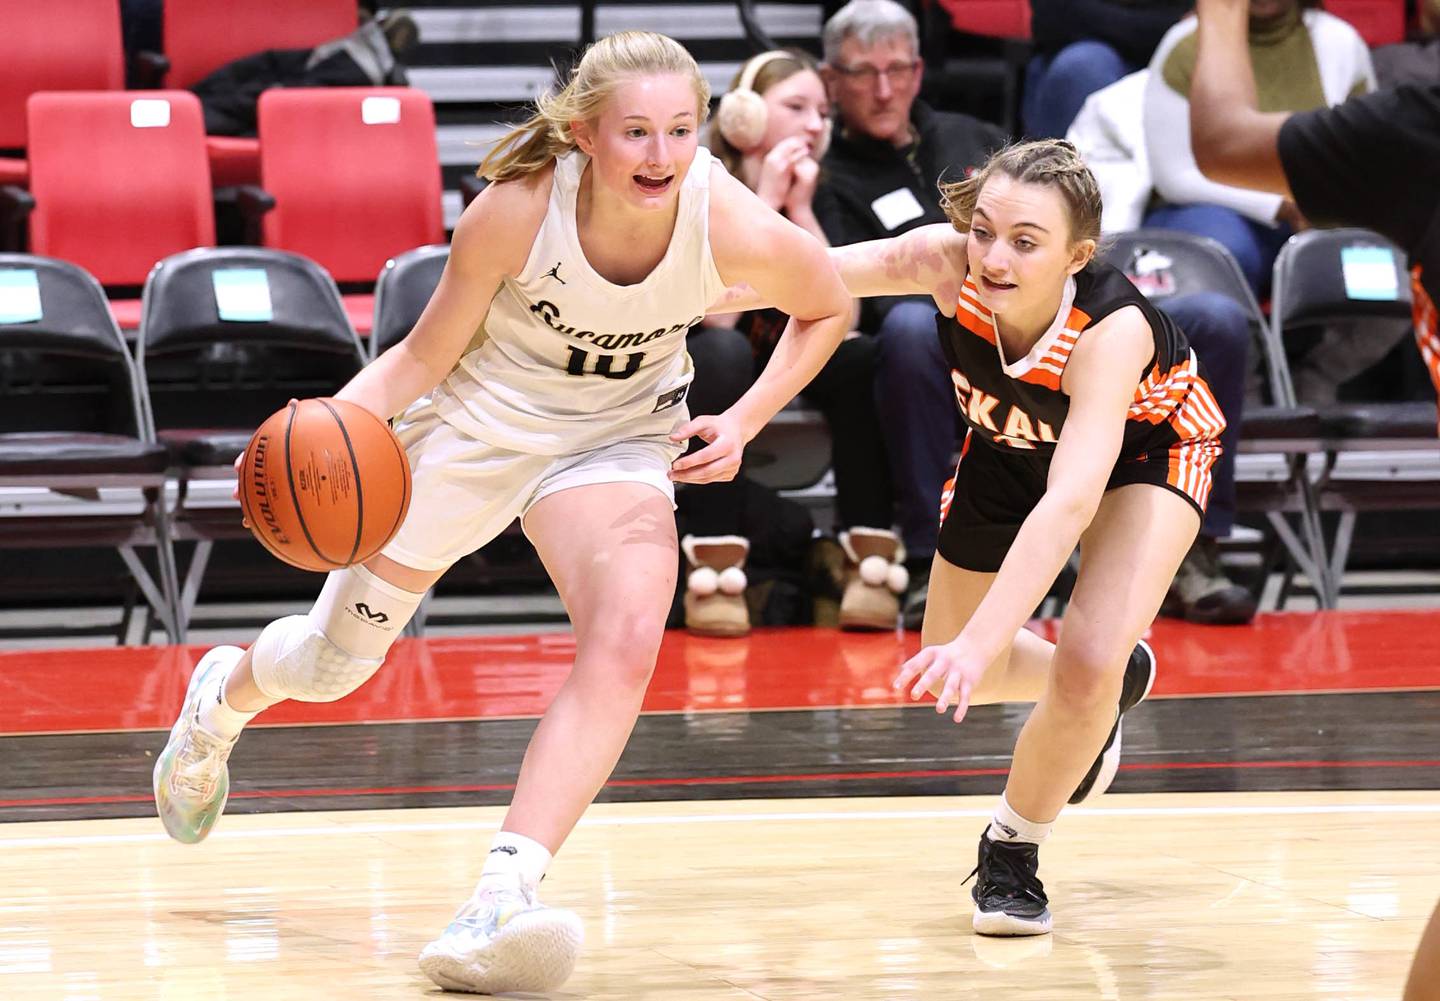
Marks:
<point>1051,162</point>
<point>606,64</point>
<point>777,69</point>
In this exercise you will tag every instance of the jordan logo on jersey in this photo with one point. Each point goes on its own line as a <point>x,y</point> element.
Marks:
<point>1020,430</point>
<point>555,273</point>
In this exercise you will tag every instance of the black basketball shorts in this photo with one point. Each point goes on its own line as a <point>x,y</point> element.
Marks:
<point>995,489</point>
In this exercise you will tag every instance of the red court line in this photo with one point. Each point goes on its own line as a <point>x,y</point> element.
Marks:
<point>488,677</point>
<point>712,780</point>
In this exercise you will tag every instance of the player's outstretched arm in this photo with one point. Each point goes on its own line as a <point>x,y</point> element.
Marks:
<point>1100,381</point>
<point>491,241</point>
<point>927,260</point>
<point>1234,142</point>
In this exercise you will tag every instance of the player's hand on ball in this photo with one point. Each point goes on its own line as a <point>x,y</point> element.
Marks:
<point>952,670</point>
<point>719,459</point>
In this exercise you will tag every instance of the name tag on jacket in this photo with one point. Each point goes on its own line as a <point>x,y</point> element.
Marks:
<point>897,208</point>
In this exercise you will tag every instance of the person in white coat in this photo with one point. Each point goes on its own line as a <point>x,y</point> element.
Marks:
<point>1303,58</point>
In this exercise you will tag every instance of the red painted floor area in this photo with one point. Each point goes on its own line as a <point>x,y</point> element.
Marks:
<point>122,688</point>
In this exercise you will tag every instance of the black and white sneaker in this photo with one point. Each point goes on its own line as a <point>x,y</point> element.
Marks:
<point>1009,897</point>
<point>1139,678</point>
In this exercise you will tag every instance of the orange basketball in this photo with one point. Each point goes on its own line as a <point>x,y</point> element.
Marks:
<point>324,484</point>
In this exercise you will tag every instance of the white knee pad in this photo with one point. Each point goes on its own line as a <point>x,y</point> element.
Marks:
<point>336,648</point>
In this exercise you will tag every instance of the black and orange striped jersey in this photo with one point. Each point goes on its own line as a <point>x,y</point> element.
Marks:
<point>1019,406</point>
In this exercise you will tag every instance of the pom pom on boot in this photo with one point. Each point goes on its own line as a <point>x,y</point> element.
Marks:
<point>876,579</point>
<point>715,587</point>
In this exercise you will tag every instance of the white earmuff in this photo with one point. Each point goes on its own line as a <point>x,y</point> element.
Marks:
<point>742,113</point>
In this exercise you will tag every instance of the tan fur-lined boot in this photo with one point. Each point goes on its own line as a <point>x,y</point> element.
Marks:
<point>876,579</point>
<point>715,587</point>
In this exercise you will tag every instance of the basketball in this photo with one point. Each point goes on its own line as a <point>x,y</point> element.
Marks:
<point>324,484</point>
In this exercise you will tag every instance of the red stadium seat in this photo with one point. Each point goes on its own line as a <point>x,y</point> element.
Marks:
<point>976,48</point>
<point>355,175</point>
<point>57,45</point>
<point>992,18</point>
<point>120,181</point>
<point>1380,22</point>
<point>203,35</point>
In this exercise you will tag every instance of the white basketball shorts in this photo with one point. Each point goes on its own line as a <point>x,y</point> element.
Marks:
<point>466,491</point>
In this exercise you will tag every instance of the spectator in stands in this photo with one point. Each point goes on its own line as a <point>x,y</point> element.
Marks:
<point>771,128</point>
<point>1302,59</point>
<point>1082,46</point>
<point>1417,60</point>
<point>880,178</point>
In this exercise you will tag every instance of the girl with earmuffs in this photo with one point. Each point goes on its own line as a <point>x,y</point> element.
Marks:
<point>771,131</point>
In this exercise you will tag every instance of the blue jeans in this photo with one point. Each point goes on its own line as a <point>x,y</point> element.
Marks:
<point>1056,86</point>
<point>1255,245</point>
<point>918,419</point>
<point>1219,331</point>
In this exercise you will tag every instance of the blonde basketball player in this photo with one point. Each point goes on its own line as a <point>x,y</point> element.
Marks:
<point>603,237</point>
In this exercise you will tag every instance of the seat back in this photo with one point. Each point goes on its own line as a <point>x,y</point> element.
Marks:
<point>404,288</point>
<point>1166,264</point>
<point>1328,275</point>
<point>355,174</point>
<point>64,365</point>
<point>991,18</point>
<point>120,180</point>
<point>1379,22</point>
<point>203,35</point>
<point>229,334</point>
<point>56,45</point>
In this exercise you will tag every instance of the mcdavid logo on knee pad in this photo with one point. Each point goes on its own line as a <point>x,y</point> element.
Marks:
<point>362,612</point>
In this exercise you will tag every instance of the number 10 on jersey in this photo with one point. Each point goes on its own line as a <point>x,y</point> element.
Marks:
<point>580,364</point>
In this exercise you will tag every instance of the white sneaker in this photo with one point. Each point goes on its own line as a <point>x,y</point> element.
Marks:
<point>504,940</point>
<point>191,780</point>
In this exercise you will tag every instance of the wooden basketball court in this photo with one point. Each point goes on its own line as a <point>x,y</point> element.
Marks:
<point>780,828</point>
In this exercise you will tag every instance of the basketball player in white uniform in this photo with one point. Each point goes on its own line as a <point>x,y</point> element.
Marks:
<point>603,238</point>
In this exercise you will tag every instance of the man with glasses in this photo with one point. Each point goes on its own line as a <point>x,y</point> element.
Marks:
<point>879,179</point>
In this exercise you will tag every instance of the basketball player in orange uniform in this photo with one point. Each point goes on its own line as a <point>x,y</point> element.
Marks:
<point>1373,161</point>
<point>603,237</point>
<point>1090,422</point>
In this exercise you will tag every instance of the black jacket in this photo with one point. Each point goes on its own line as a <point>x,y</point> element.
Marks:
<point>859,170</point>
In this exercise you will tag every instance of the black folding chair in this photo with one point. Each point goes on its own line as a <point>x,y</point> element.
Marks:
<point>228,335</point>
<point>405,285</point>
<point>1380,455</point>
<point>1276,439</point>
<point>79,465</point>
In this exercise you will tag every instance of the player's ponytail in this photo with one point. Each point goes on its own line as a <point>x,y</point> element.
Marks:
<point>546,134</point>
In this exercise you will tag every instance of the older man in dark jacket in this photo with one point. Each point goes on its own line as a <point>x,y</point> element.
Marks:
<point>879,179</point>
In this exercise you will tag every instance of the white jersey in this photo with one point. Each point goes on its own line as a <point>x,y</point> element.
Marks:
<point>565,360</point>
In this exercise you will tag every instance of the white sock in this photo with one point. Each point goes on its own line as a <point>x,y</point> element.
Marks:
<point>1007,825</point>
<point>513,855</point>
<point>216,715</point>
